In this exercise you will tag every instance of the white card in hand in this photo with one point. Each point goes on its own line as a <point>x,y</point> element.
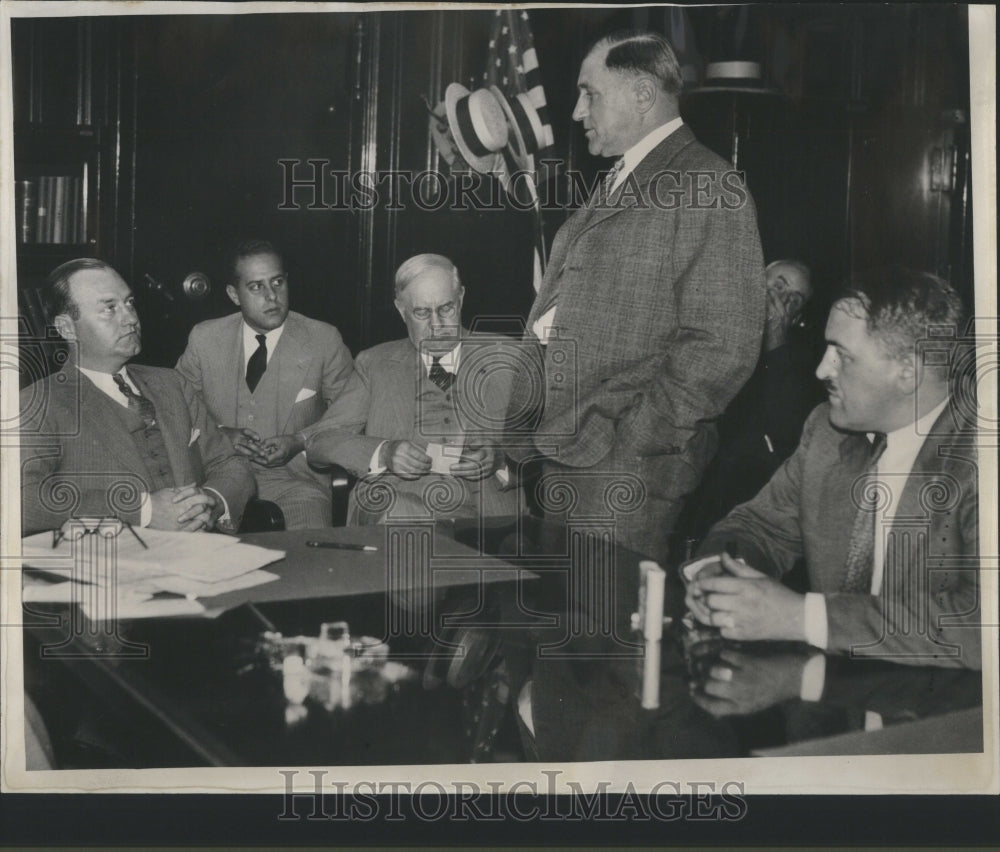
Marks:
<point>443,456</point>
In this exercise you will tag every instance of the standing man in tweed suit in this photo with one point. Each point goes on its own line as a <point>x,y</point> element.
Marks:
<point>650,316</point>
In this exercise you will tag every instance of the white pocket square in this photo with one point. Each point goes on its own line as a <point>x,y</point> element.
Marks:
<point>195,434</point>
<point>305,393</point>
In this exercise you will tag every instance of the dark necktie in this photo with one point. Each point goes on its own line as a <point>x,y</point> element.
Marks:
<point>136,401</point>
<point>257,363</point>
<point>440,376</point>
<point>861,550</point>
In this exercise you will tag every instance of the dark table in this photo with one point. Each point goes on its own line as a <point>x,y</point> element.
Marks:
<point>520,611</point>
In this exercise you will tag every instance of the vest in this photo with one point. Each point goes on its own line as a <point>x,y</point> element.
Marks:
<point>152,449</point>
<point>437,421</point>
<point>259,410</point>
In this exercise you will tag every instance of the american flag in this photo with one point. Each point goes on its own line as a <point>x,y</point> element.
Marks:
<point>512,66</point>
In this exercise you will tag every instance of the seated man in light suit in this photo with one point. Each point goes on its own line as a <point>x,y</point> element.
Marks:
<point>102,440</point>
<point>880,499</point>
<point>419,415</point>
<point>267,370</point>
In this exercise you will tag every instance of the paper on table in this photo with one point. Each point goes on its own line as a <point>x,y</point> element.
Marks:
<point>133,605</point>
<point>204,557</point>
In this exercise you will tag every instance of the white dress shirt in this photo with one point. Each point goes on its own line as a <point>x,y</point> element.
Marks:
<point>250,342</point>
<point>542,327</point>
<point>892,472</point>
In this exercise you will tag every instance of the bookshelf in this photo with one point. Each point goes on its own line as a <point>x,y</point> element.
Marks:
<point>67,134</point>
<point>68,144</point>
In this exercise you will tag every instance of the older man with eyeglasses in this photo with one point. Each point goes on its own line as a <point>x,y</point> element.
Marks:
<point>419,417</point>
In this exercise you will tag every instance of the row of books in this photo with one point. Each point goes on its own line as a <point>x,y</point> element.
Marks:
<point>52,209</point>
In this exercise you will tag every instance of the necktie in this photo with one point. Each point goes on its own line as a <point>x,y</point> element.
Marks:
<point>257,363</point>
<point>136,401</point>
<point>861,550</point>
<point>612,176</point>
<point>440,376</point>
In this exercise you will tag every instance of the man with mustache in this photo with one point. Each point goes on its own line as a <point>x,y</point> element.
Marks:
<point>102,439</point>
<point>880,498</point>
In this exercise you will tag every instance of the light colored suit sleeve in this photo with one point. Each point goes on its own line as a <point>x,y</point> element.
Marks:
<point>337,437</point>
<point>225,470</point>
<point>189,365</point>
<point>338,367</point>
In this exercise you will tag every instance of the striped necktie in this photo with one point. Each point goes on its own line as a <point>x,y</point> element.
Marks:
<point>136,401</point>
<point>612,176</point>
<point>440,376</point>
<point>861,550</point>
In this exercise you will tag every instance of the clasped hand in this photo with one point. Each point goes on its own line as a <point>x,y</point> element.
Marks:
<point>187,508</point>
<point>744,603</point>
<point>738,682</point>
<point>269,452</point>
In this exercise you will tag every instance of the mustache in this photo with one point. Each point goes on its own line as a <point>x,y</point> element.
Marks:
<point>829,387</point>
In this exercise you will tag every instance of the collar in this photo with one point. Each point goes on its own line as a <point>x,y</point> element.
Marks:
<point>637,153</point>
<point>105,382</point>
<point>449,361</point>
<point>250,339</point>
<point>907,440</point>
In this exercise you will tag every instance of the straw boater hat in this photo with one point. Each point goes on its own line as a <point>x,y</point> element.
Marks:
<point>734,77</point>
<point>528,135</point>
<point>477,124</point>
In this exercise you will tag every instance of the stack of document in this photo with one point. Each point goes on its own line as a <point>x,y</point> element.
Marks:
<point>119,577</point>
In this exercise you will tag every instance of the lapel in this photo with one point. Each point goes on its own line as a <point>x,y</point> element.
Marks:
<point>838,507</point>
<point>930,462</point>
<point>293,358</point>
<point>227,370</point>
<point>115,439</point>
<point>653,163</point>
<point>395,389</point>
<point>590,216</point>
<point>175,430</point>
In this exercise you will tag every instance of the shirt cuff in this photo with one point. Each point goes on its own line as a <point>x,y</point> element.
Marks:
<point>145,510</point>
<point>503,474</point>
<point>224,517</point>
<point>816,627</point>
<point>813,678</point>
<point>374,468</point>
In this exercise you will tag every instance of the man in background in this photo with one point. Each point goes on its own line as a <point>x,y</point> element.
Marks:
<point>106,438</point>
<point>762,425</point>
<point>267,371</point>
<point>650,315</point>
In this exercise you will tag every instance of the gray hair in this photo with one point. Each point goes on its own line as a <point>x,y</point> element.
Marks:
<point>417,265</point>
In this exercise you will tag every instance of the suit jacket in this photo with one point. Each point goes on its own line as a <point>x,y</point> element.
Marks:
<point>78,458</point>
<point>310,356</point>
<point>380,403</point>
<point>928,611</point>
<point>660,312</point>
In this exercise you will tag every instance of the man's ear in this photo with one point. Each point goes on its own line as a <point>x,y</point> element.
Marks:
<point>399,307</point>
<point>65,326</point>
<point>644,92</point>
<point>233,294</point>
<point>907,377</point>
